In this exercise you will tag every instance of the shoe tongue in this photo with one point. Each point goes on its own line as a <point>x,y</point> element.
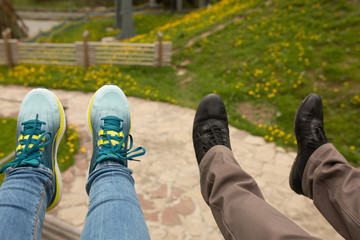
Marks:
<point>112,123</point>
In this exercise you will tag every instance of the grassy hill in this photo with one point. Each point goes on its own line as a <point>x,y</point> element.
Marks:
<point>267,57</point>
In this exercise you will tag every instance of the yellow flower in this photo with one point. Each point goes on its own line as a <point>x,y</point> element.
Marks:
<point>251,92</point>
<point>258,72</point>
<point>352,147</point>
<point>238,43</point>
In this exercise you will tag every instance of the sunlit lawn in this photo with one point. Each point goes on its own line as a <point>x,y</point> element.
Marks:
<point>103,26</point>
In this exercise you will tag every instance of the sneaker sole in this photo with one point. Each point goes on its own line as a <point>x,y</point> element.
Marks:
<point>59,185</point>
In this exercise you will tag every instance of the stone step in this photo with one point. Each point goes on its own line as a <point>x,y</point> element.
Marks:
<point>54,228</point>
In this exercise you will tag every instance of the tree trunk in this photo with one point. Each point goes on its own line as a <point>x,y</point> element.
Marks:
<point>9,19</point>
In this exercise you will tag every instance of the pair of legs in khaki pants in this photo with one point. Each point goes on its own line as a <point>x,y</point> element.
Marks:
<point>319,172</point>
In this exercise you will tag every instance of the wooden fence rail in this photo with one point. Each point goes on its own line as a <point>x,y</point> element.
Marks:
<point>85,53</point>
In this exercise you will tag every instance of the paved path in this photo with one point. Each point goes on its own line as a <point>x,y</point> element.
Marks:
<point>36,26</point>
<point>167,178</point>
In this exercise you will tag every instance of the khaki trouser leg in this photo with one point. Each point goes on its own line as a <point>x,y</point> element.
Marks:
<point>334,186</point>
<point>237,203</point>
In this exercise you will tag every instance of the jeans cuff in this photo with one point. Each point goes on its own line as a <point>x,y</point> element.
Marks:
<point>105,167</point>
<point>41,168</point>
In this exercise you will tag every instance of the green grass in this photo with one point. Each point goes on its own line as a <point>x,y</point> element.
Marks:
<point>263,65</point>
<point>7,139</point>
<point>67,147</point>
<point>274,57</point>
<point>51,4</point>
<point>97,27</point>
<point>8,136</point>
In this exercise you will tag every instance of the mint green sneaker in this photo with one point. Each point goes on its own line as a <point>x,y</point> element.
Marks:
<point>109,125</point>
<point>40,127</point>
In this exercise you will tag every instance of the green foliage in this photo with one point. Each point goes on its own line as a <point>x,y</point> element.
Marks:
<point>42,4</point>
<point>8,136</point>
<point>68,147</point>
<point>62,4</point>
<point>97,27</point>
<point>276,55</point>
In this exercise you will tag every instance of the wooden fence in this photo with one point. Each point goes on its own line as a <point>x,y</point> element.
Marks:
<point>85,53</point>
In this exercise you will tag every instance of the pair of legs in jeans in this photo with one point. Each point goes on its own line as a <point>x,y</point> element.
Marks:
<point>33,181</point>
<point>319,172</point>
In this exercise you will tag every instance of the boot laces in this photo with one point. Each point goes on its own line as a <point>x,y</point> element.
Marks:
<point>320,139</point>
<point>216,137</point>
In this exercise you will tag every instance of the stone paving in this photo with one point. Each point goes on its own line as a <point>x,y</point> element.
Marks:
<point>36,26</point>
<point>167,178</point>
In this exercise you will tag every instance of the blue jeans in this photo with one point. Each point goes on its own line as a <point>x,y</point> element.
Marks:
<point>114,209</point>
<point>24,196</point>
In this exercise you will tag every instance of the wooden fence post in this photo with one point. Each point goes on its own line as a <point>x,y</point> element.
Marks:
<point>160,50</point>
<point>86,49</point>
<point>6,35</point>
